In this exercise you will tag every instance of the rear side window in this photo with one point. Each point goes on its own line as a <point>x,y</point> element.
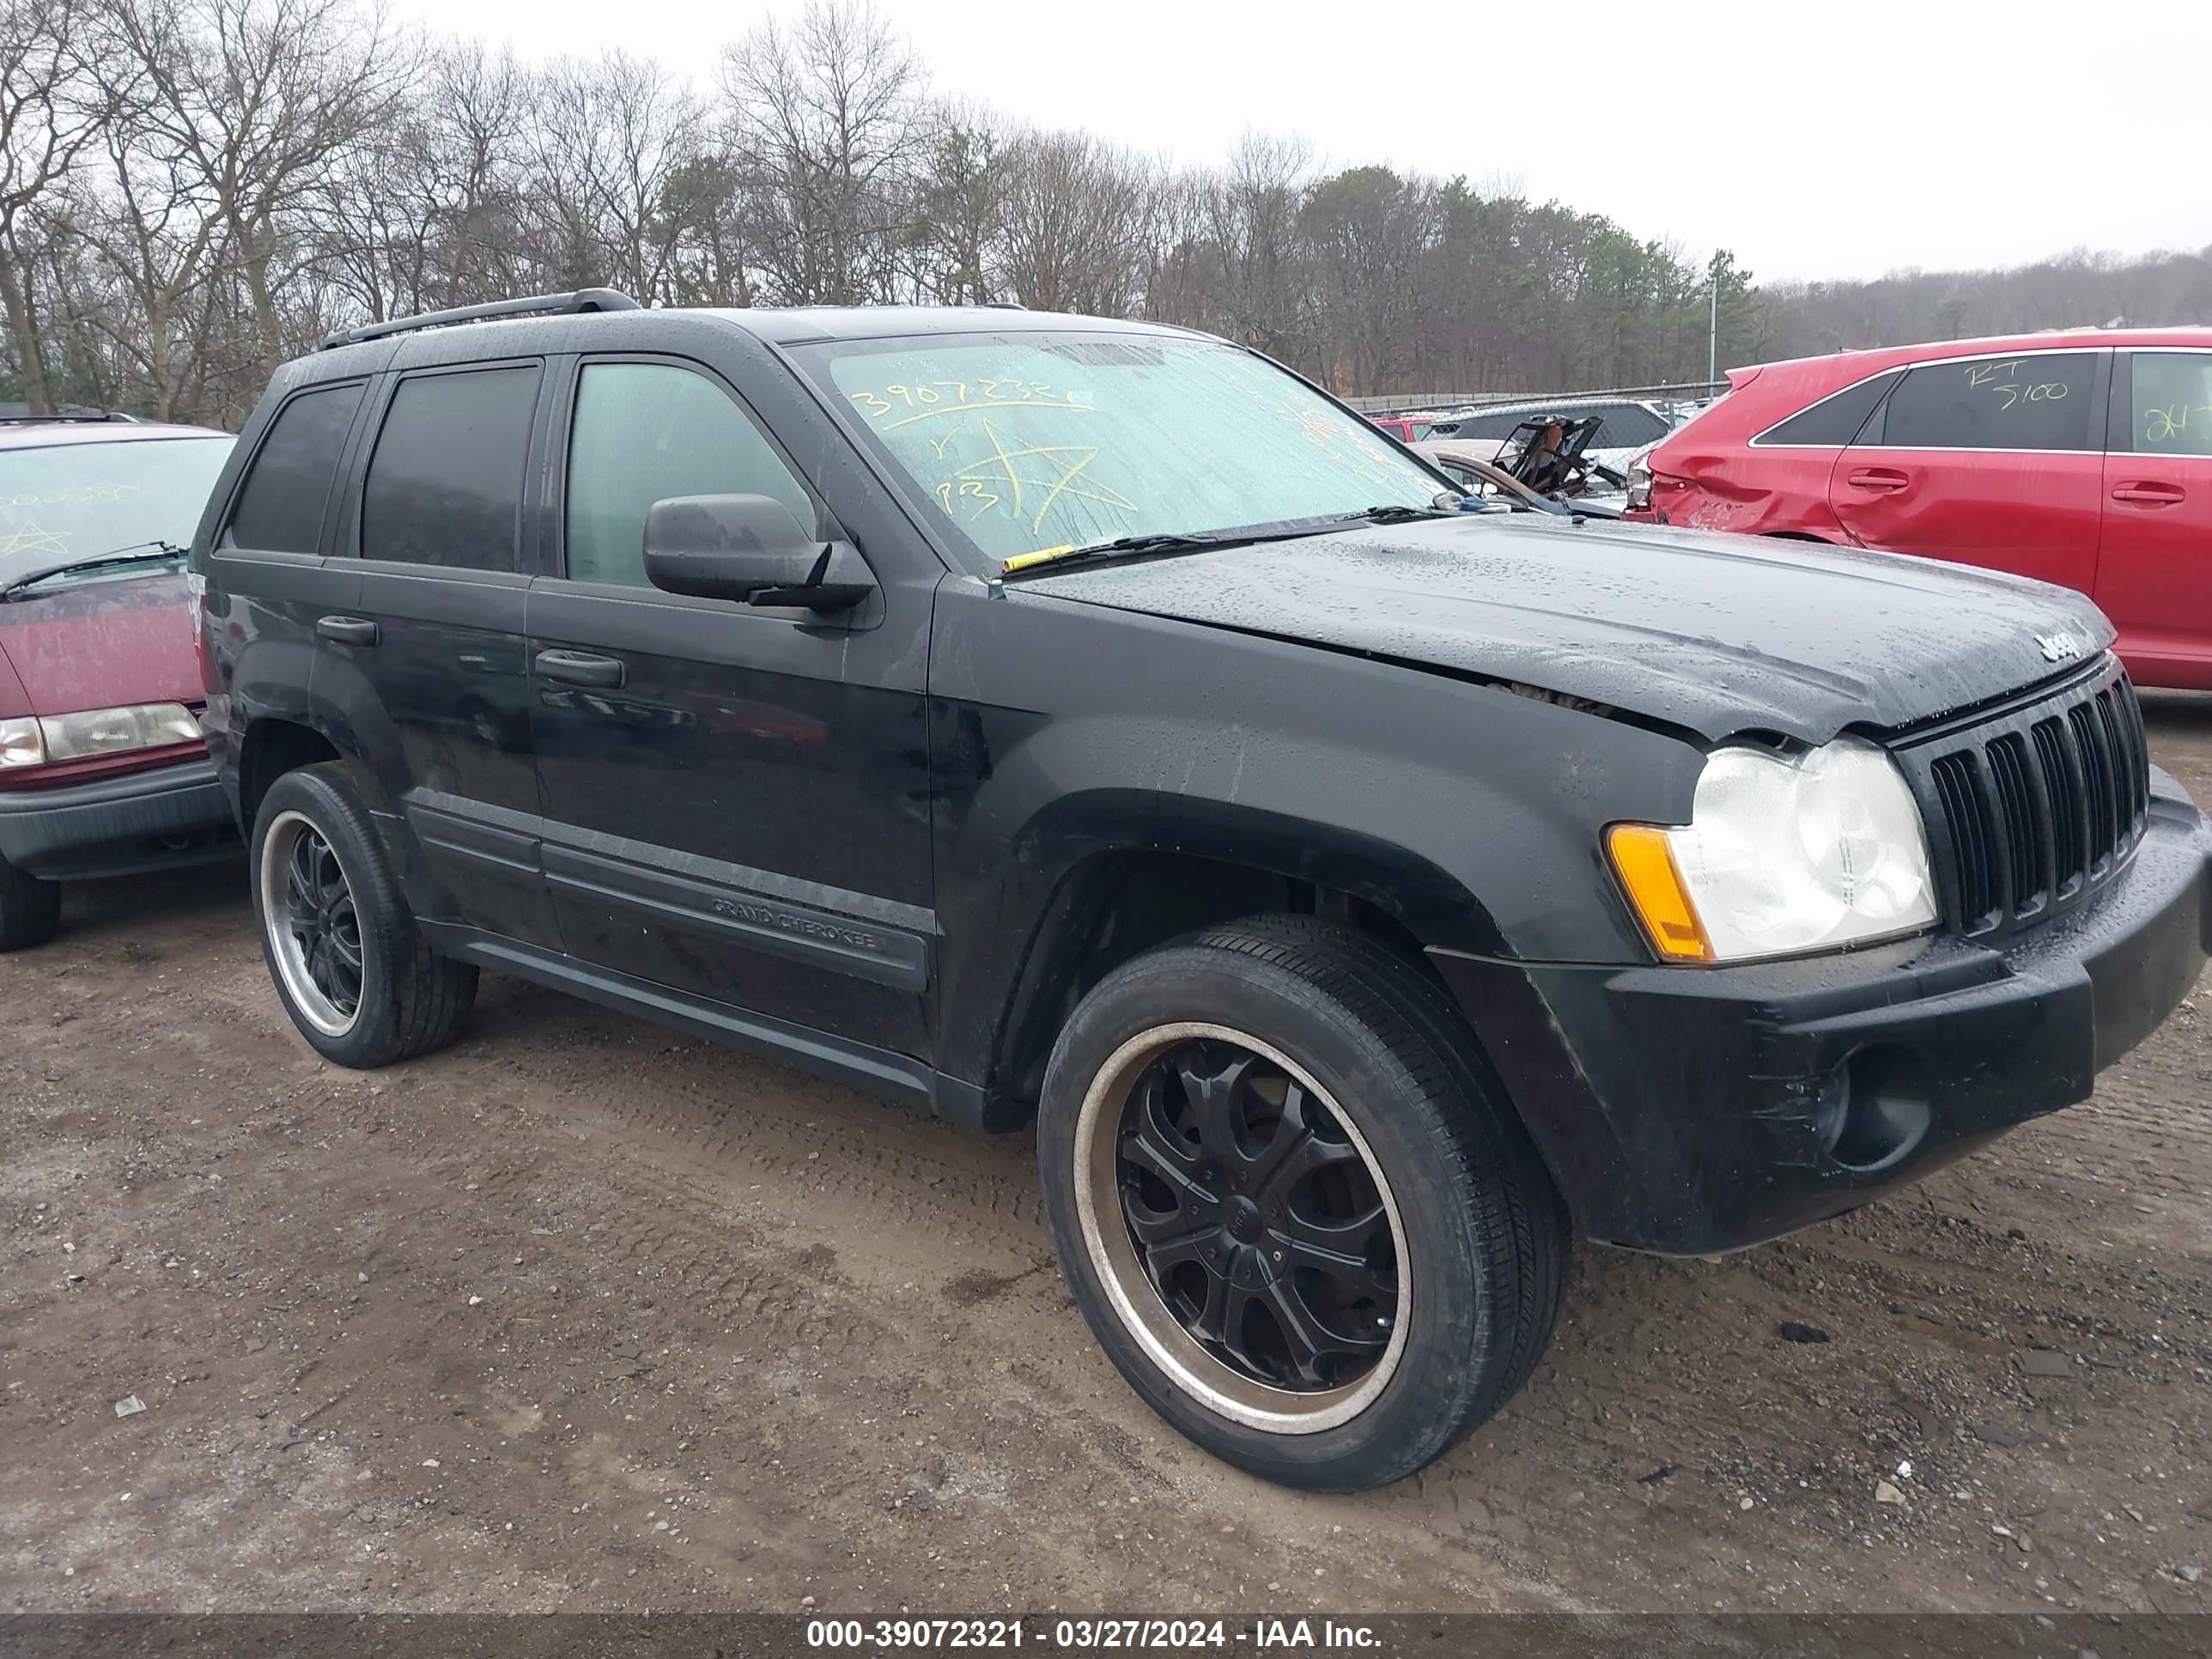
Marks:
<point>280,510</point>
<point>647,431</point>
<point>1487,426</point>
<point>1835,420</point>
<point>2038,400</point>
<point>1625,426</point>
<point>444,486</point>
<point>2173,403</point>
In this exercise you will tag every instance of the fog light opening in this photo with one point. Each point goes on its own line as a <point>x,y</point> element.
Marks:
<point>1874,1110</point>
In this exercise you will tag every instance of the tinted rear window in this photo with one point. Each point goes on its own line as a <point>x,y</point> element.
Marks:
<point>1834,421</point>
<point>444,486</point>
<point>1626,425</point>
<point>1621,426</point>
<point>2038,400</point>
<point>1487,426</point>
<point>280,510</point>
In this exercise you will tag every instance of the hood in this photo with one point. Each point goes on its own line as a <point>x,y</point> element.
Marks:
<point>102,643</point>
<point>1714,633</point>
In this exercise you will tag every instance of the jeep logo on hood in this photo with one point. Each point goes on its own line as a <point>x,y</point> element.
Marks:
<point>2059,647</point>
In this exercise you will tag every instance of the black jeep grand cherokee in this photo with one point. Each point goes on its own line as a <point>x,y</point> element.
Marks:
<point>1023,715</point>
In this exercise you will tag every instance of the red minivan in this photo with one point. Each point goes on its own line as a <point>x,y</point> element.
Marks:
<point>104,768</point>
<point>2081,458</point>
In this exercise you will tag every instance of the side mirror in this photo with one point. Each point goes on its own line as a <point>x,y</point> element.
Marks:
<point>750,548</point>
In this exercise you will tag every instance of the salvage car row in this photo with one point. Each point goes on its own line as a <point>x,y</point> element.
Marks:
<point>1364,880</point>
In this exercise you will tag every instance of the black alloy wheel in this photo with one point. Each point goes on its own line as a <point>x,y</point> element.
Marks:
<point>1255,1218</point>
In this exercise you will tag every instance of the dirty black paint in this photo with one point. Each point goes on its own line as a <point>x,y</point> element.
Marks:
<point>1715,635</point>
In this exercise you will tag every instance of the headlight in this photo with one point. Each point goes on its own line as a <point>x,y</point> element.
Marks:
<point>1782,856</point>
<point>97,732</point>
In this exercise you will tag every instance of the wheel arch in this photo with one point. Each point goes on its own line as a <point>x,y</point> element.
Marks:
<point>1113,899</point>
<point>272,746</point>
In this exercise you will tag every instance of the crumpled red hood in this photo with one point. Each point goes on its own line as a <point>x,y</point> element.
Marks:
<point>100,644</point>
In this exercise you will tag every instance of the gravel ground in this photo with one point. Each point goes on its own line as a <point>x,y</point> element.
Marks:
<point>579,1315</point>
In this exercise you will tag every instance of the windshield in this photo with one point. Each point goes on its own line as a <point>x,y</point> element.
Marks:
<point>1023,442</point>
<point>65,501</point>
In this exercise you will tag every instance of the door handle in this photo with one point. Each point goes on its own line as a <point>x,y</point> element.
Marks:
<point>1882,480</point>
<point>2144,493</point>
<point>348,630</point>
<point>579,668</point>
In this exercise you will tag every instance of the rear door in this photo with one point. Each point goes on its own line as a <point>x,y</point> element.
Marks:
<point>2154,574</point>
<point>1992,461</point>
<point>736,798</point>
<point>269,582</point>
<point>434,641</point>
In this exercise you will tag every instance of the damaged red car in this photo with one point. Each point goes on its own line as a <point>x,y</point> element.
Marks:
<point>2082,458</point>
<point>103,766</point>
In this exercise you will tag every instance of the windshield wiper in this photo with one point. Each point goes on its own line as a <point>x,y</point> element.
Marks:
<point>1174,542</point>
<point>132,553</point>
<point>1127,547</point>
<point>1392,514</point>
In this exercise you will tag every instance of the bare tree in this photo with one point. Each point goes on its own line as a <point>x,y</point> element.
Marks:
<point>828,129</point>
<point>48,114</point>
<point>608,138</point>
<point>959,204</point>
<point>1075,224</point>
<point>1250,217</point>
<point>260,98</point>
<point>424,211</point>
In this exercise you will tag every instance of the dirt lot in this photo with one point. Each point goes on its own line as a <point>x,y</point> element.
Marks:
<point>580,1315</point>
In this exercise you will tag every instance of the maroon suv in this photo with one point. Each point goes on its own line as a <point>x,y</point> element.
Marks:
<point>103,767</point>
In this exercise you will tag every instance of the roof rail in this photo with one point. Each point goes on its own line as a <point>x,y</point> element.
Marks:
<point>72,417</point>
<point>538,305</point>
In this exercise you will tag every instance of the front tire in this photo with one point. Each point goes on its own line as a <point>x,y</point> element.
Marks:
<point>1293,1205</point>
<point>30,909</point>
<point>350,966</point>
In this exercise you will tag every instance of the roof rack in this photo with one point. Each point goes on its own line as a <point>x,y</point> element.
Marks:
<point>72,417</point>
<point>539,305</point>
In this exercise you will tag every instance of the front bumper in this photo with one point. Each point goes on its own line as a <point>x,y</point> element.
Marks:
<point>118,826</point>
<point>1689,1111</point>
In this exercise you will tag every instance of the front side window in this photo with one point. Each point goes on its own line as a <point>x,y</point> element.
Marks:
<point>2173,403</point>
<point>1027,441</point>
<point>644,432</point>
<point>2036,400</point>
<point>444,486</point>
<point>280,509</point>
<point>65,502</point>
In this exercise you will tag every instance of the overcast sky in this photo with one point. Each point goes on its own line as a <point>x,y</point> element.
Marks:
<point>1815,140</point>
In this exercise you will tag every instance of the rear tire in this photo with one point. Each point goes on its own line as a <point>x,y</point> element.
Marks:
<point>350,966</point>
<point>30,909</point>
<point>1333,1310</point>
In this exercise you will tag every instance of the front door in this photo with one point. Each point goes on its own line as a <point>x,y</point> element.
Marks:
<point>736,800</point>
<point>1994,461</point>
<point>2155,575</point>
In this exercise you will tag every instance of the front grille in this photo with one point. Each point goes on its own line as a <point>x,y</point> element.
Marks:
<point>2031,810</point>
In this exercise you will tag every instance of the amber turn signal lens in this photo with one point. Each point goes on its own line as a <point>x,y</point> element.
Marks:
<point>1645,863</point>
